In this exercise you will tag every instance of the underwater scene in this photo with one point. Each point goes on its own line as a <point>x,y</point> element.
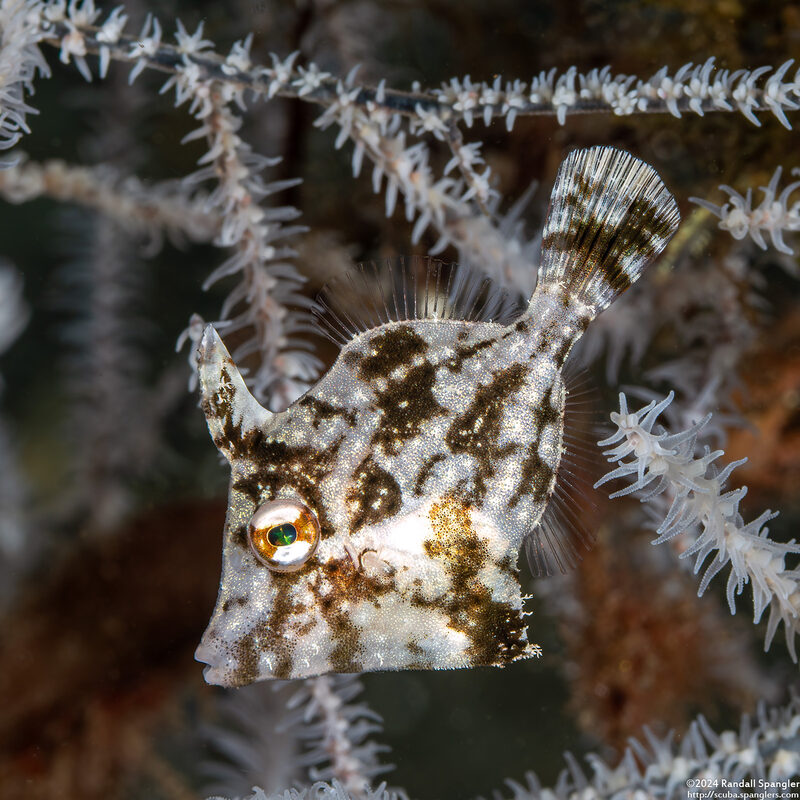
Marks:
<point>399,400</point>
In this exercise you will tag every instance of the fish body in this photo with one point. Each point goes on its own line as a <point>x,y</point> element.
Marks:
<point>377,522</point>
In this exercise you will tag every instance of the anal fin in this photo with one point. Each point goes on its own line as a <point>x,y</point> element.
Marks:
<point>558,542</point>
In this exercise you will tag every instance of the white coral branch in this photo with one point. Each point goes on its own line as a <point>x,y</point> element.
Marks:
<point>403,171</point>
<point>338,732</point>
<point>260,734</point>
<point>266,302</point>
<point>151,209</point>
<point>20,61</point>
<point>695,88</point>
<point>773,215</point>
<point>701,509</point>
<point>466,157</point>
<point>322,791</point>
<point>764,749</point>
<point>244,746</point>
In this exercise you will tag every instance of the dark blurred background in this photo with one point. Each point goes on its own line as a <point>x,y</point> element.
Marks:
<point>125,496</point>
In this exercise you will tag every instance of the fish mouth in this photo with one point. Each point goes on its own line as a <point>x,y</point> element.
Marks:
<point>215,670</point>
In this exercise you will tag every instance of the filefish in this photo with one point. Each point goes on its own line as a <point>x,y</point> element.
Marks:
<point>376,523</point>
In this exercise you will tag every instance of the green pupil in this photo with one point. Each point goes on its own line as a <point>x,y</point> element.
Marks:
<point>282,535</point>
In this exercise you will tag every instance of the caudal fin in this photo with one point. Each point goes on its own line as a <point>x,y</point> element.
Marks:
<point>610,215</point>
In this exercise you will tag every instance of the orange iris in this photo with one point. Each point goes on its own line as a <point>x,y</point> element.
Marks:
<point>283,534</point>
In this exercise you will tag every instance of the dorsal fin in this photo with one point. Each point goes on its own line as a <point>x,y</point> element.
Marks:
<point>610,215</point>
<point>558,542</point>
<point>414,288</point>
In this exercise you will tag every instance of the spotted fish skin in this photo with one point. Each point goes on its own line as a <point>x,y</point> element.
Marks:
<point>428,452</point>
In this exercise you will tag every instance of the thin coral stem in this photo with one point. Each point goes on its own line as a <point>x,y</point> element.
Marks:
<point>692,88</point>
<point>764,747</point>
<point>136,206</point>
<point>266,301</point>
<point>664,462</point>
<point>338,732</point>
<point>774,215</point>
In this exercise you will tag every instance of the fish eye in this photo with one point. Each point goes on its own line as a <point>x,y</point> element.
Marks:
<point>283,535</point>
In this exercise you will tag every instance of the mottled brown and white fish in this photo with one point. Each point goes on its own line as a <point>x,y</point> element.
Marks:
<point>376,523</point>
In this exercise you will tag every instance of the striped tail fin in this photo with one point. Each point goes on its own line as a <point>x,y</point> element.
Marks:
<point>610,215</point>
